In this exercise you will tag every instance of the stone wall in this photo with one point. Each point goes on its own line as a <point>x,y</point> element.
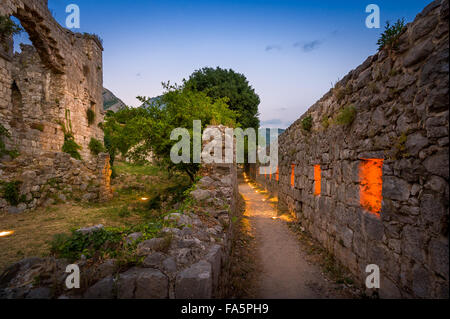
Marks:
<point>55,176</point>
<point>194,265</point>
<point>61,74</point>
<point>45,87</point>
<point>401,102</point>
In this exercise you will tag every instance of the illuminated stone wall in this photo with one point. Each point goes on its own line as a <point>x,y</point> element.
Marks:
<point>401,124</point>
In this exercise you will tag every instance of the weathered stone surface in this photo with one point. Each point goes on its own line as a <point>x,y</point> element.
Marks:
<point>40,293</point>
<point>143,283</point>
<point>92,229</point>
<point>149,246</point>
<point>401,102</point>
<point>195,282</point>
<point>201,194</point>
<point>154,260</point>
<point>103,289</point>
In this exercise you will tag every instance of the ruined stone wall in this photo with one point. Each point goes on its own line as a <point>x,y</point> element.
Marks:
<point>45,87</point>
<point>401,103</point>
<point>195,265</point>
<point>61,75</point>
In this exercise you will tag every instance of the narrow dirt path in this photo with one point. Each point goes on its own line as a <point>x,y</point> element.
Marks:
<point>283,272</point>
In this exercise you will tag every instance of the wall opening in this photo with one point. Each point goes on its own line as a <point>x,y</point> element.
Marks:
<point>17,105</point>
<point>371,185</point>
<point>317,180</point>
<point>292,175</point>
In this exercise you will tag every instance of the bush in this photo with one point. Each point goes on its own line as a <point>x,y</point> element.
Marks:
<point>90,114</point>
<point>3,151</point>
<point>346,116</point>
<point>96,147</point>
<point>307,123</point>
<point>71,147</point>
<point>389,38</point>
<point>8,27</point>
<point>325,122</point>
<point>11,192</point>
<point>74,245</point>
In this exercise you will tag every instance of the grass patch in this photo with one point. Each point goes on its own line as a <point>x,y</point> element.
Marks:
<point>389,38</point>
<point>135,169</point>
<point>346,115</point>
<point>307,123</point>
<point>124,214</point>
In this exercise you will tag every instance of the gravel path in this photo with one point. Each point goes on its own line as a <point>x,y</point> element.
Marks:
<point>283,272</point>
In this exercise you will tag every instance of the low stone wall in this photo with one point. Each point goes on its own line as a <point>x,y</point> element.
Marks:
<point>54,176</point>
<point>194,265</point>
<point>375,190</point>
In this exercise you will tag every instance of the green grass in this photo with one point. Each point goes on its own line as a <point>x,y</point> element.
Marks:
<point>134,169</point>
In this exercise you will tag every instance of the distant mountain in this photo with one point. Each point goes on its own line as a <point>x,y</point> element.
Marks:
<point>111,102</point>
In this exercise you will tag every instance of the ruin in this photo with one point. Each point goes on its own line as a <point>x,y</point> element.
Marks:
<point>383,193</point>
<point>49,86</point>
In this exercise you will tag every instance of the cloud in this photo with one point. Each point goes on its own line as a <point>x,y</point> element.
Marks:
<point>273,47</point>
<point>308,46</point>
<point>276,123</point>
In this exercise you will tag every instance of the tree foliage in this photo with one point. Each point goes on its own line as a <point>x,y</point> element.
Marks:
<point>138,131</point>
<point>389,38</point>
<point>221,83</point>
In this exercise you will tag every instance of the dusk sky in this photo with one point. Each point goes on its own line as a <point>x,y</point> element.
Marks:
<point>290,51</point>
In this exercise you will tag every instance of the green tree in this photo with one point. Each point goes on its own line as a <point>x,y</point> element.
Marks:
<point>221,83</point>
<point>151,125</point>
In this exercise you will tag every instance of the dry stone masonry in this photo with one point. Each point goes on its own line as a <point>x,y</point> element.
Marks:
<point>54,82</point>
<point>375,190</point>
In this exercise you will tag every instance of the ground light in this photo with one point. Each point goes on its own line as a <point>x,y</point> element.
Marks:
<point>144,199</point>
<point>5,233</point>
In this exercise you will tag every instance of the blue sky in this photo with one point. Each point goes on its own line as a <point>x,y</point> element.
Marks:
<point>290,51</point>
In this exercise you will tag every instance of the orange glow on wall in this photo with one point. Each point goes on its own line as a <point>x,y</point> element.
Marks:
<point>317,180</point>
<point>292,175</point>
<point>371,185</point>
<point>277,175</point>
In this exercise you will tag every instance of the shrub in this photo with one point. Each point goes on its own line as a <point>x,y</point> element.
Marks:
<point>37,126</point>
<point>339,93</point>
<point>71,147</point>
<point>11,192</point>
<point>3,134</point>
<point>90,114</point>
<point>346,116</point>
<point>389,38</point>
<point>3,151</point>
<point>307,123</point>
<point>325,122</point>
<point>74,245</point>
<point>8,27</point>
<point>96,147</point>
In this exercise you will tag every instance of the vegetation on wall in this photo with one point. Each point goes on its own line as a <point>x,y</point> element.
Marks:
<point>307,123</point>
<point>8,27</point>
<point>4,133</point>
<point>96,147</point>
<point>90,114</point>
<point>70,146</point>
<point>346,115</point>
<point>389,38</point>
<point>10,191</point>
